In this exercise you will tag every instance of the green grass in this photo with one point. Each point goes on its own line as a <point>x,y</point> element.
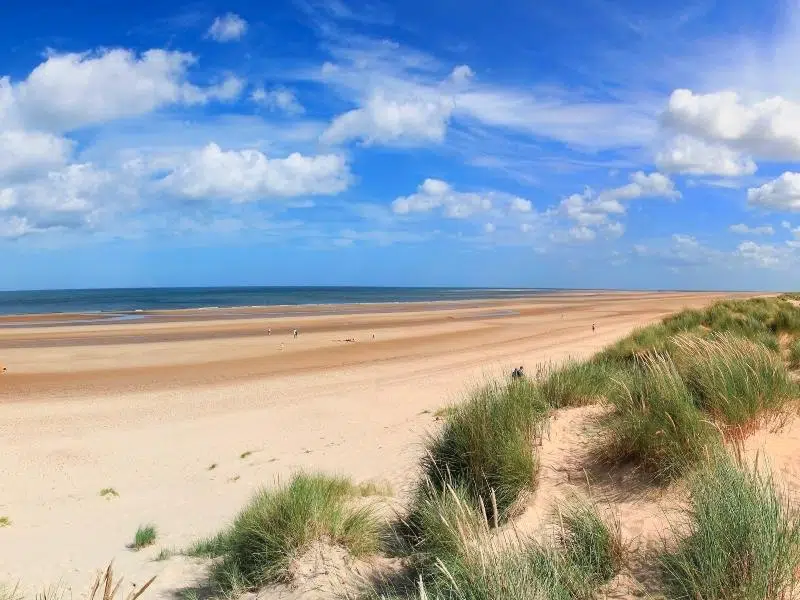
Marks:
<point>486,446</point>
<point>109,493</point>
<point>734,379</point>
<point>164,554</point>
<point>279,525</point>
<point>743,540</point>
<point>794,353</point>
<point>590,542</point>
<point>210,547</point>
<point>656,422</point>
<point>5,522</point>
<point>576,383</point>
<point>145,536</point>
<point>245,454</point>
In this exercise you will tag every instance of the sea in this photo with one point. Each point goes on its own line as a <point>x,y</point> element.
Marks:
<point>135,300</point>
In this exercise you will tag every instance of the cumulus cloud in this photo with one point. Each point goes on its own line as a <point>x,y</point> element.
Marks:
<point>591,210</point>
<point>781,194</point>
<point>489,228</point>
<point>74,197</point>
<point>520,205</point>
<point>31,152</point>
<point>227,28</point>
<point>247,175</point>
<point>68,91</point>
<point>384,120</point>
<point>769,128</point>
<point>688,155</point>
<point>433,194</point>
<point>281,99</point>
<point>743,229</point>
<point>765,255</point>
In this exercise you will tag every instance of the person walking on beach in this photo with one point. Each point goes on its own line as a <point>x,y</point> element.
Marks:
<point>593,327</point>
<point>295,334</point>
<point>269,331</point>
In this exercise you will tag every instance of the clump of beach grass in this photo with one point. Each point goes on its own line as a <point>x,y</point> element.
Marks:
<point>732,378</point>
<point>794,353</point>
<point>145,536</point>
<point>486,446</point>
<point>5,521</point>
<point>655,421</point>
<point>743,539</point>
<point>279,525</point>
<point>109,492</point>
<point>576,383</point>
<point>590,542</point>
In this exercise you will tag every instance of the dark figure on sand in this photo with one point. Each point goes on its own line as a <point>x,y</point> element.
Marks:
<point>517,373</point>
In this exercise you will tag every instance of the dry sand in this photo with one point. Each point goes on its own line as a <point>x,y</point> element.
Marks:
<point>147,407</point>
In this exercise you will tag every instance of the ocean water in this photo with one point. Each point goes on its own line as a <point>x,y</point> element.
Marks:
<point>144,299</point>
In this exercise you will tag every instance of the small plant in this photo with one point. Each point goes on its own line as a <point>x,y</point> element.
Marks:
<point>279,525</point>
<point>108,588</point>
<point>656,422</point>
<point>145,536</point>
<point>245,454</point>
<point>109,493</point>
<point>794,354</point>
<point>212,466</point>
<point>743,539</point>
<point>5,522</point>
<point>590,542</point>
<point>164,554</point>
<point>734,379</point>
<point>576,383</point>
<point>486,445</point>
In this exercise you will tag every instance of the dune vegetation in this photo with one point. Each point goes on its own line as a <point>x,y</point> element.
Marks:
<point>675,396</point>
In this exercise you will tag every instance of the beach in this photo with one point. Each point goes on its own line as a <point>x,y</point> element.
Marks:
<point>185,414</point>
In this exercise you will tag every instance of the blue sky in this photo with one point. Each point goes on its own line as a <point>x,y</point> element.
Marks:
<point>581,143</point>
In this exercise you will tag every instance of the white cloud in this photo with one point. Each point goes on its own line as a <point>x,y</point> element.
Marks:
<point>765,255</point>
<point>489,228</point>
<point>592,210</point>
<point>435,194</point>
<point>520,205</point>
<point>582,234</point>
<point>228,28</point>
<point>781,194</point>
<point>526,227</point>
<point>383,120</point>
<point>685,154</point>
<point>278,99</point>
<point>75,197</point>
<point>69,91</point>
<point>246,175</point>
<point>769,128</point>
<point>30,152</point>
<point>461,75</point>
<point>743,229</point>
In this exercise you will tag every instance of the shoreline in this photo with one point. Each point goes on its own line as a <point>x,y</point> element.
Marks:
<point>52,319</point>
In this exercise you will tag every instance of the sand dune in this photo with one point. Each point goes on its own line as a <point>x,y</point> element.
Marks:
<point>147,407</point>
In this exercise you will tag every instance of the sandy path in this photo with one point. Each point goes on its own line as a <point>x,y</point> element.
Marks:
<point>147,407</point>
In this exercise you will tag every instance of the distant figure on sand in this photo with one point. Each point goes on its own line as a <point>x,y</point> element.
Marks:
<point>295,333</point>
<point>517,373</point>
<point>592,327</point>
<point>269,331</point>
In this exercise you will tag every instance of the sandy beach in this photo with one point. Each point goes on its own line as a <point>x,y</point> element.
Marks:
<point>147,406</point>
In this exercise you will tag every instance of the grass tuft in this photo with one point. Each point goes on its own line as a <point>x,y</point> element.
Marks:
<point>279,525</point>
<point>109,493</point>
<point>743,540</point>
<point>145,536</point>
<point>576,383</point>
<point>734,379</point>
<point>655,421</point>
<point>486,445</point>
<point>164,554</point>
<point>794,354</point>
<point>5,522</point>
<point>591,543</point>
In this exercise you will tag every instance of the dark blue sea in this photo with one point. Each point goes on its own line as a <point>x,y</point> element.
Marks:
<point>145,299</point>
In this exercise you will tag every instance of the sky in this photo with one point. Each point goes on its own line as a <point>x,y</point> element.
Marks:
<point>578,144</point>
